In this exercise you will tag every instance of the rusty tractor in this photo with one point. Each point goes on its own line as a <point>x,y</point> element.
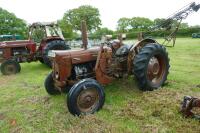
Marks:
<point>82,72</point>
<point>42,38</point>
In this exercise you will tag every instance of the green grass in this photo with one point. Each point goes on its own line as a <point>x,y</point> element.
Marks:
<point>26,107</point>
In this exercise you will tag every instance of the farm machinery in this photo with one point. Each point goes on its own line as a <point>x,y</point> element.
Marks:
<point>42,38</point>
<point>82,72</point>
<point>188,104</point>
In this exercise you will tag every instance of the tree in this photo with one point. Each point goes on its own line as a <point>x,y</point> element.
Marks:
<point>66,28</point>
<point>140,23</point>
<point>87,13</point>
<point>158,21</point>
<point>102,31</point>
<point>184,25</point>
<point>11,25</point>
<point>135,23</point>
<point>123,24</point>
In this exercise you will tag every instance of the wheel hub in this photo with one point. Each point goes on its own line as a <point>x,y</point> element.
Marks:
<point>87,100</point>
<point>153,67</point>
<point>155,70</point>
<point>10,69</point>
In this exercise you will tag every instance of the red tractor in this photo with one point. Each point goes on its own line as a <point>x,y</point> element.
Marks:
<point>42,38</point>
<point>83,72</point>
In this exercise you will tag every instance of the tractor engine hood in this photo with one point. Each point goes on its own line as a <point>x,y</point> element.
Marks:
<point>76,56</point>
<point>63,61</point>
<point>19,43</point>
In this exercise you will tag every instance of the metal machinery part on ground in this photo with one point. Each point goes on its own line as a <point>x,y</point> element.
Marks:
<point>49,37</point>
<point>188,104</point>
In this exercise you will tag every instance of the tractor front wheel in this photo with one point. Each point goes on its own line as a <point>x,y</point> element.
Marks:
<point>9,67</point>
<point>49,85</point>
<point>85,97</point>
<point>151,66</point>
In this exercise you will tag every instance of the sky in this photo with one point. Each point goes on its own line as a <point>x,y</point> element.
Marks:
<point>110,10</point>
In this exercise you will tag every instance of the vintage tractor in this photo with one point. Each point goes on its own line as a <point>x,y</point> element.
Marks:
<point>49,37</point>
<point>82,72</point>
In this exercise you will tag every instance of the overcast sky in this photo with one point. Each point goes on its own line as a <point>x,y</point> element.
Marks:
<point>110,10</point>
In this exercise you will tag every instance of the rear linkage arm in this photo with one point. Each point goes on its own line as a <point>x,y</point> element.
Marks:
<point>187,105</point>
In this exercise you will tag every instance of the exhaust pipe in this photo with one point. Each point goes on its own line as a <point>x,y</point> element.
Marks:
<point>84,34</point>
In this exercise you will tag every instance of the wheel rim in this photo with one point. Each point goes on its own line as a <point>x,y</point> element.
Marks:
<point>88,100</point>
<point>10,69</point>
<point>156,69</point>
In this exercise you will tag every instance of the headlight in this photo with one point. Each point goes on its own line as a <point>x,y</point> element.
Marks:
<point>56,75</point>
<point>51,53</point>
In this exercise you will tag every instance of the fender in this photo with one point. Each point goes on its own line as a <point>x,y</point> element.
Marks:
<point>134,50</point>
<point>102,62</point>
<point>142,43</point>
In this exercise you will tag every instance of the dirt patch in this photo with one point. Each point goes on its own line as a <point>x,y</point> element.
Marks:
<point>149,129</point>
<point>132,110</point>
<point>34,100</point>
<point>91,124</point>
<point>30,86</point>
<point>16,130</point>
<point>2,116</point>
<point>4,80</point>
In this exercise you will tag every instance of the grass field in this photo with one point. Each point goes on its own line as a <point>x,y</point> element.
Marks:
<point>26,107</point>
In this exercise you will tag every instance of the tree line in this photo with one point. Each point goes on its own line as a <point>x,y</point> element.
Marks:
<point>70,24</point>
<point>11,25</point>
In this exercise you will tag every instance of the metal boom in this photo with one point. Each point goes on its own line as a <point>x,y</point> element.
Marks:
<point>176,17</point>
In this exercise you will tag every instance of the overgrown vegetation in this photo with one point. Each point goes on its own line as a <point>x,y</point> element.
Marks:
<point>70,25</point>
<point>11,25</point>
<point>26,107</point>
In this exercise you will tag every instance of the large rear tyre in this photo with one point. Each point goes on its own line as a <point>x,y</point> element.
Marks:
<point>53,45</point>
<point>9,67</point>
<point>49,85</point>
<point>151,67</point>
<point>85,97</point>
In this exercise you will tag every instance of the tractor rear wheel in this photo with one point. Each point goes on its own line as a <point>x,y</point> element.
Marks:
<point>49,85</point>
<point>151,67</point>
<point>9,67</point>
<point>85,97</point>
<point>53,45</point>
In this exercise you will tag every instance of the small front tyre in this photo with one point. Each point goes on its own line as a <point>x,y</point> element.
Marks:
<point>9,67</point>
<point>49,85</point>
<point>85,97</point>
